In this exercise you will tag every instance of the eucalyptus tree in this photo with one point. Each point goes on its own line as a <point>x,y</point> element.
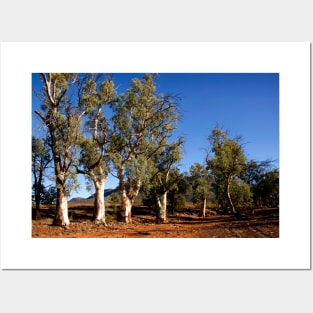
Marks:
<point>179,191</point>
<point>163,177</point>
<point>41,158</point>
<point>256,174</point>
<point>143,122</point>
<point>61,112</point>
<point>49,195</point>
<point>241,193</point>
<point>266,191</point>
<point>201,182</point>
<point>226,163</point>
<point>94,157</point>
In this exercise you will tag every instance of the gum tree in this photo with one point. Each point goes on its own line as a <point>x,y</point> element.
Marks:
<point>143,122</point>
<point>61,113</point>
<point>41,158</point>
<point>163,178</point>
<point>226,163</point>
<point>266,191</point>
<point>255,175</point>
<point>94,158</point>
<point>201,182</point>
<point>177,193</point>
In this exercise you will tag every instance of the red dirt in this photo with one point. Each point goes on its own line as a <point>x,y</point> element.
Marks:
<point>184,224</point>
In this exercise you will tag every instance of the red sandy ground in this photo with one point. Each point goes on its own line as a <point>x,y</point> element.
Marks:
<point>264,223</point>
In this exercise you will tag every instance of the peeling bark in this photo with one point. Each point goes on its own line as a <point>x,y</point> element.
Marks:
<point>127,199</point>
<point>126,207</point>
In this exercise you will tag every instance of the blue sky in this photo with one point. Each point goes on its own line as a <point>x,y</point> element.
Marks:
<point>245,104</point>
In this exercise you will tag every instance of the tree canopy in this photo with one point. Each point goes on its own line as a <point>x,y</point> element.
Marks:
<point>226,163</point>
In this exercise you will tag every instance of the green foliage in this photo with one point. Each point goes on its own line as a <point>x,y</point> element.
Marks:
<point>61,117</point>
<point>143,123</point>
<point>142,120</point>
<point>178,190</point>
<point>41,158</point>
<point>137,171</point>
<point>201,182</point>
<point>114,198</point>
<point>180,202</point>
<point>61,113</point>
<point>255,170</point>
<point>159,184</point>
<point>94,161</point>
<point>226,164</point>
<point>49,195</point>
<point>40,153</point>
<point>228,158</point>
<point>165,178</point>
<point>266,191</point>
<point>66,98</point>
<point>95,96</point>
<point>240,193</point>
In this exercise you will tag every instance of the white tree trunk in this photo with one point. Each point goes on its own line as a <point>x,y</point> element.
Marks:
<point>127,199</point>
<point>162,203</point>
<point>61,213</point>
<point>128,210</point>
<point>99,210</point>
<point>126,207</point>
<point>204,207</point>
<point>127,204</point>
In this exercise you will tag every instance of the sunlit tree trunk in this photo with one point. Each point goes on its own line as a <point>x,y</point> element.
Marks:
<point>162,203</point>
<point>61,117</point>
<point>126,208</point>
<point>203,208</point>
<point>124,214</point>
<point>61,212</point>
<point>127,199</point>
<point>99,210</point>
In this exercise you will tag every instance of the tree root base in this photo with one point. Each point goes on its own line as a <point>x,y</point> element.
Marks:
<point>101,222</point>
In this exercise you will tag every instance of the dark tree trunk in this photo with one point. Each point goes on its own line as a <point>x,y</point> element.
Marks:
<point>38,190</point>
<point>230,202</point>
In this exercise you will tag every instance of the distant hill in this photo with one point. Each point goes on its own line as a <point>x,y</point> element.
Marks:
<point>107,192</point>
<point>78,199</point>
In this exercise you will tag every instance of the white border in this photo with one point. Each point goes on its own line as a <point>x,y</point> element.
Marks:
<point>290,251</point>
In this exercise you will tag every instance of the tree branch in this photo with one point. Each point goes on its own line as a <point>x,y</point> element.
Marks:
<point>40,115</point>
<point>48,87</point>
<point>79,171</point>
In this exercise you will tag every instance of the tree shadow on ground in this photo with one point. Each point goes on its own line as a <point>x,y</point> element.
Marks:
<point>80,213</point>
